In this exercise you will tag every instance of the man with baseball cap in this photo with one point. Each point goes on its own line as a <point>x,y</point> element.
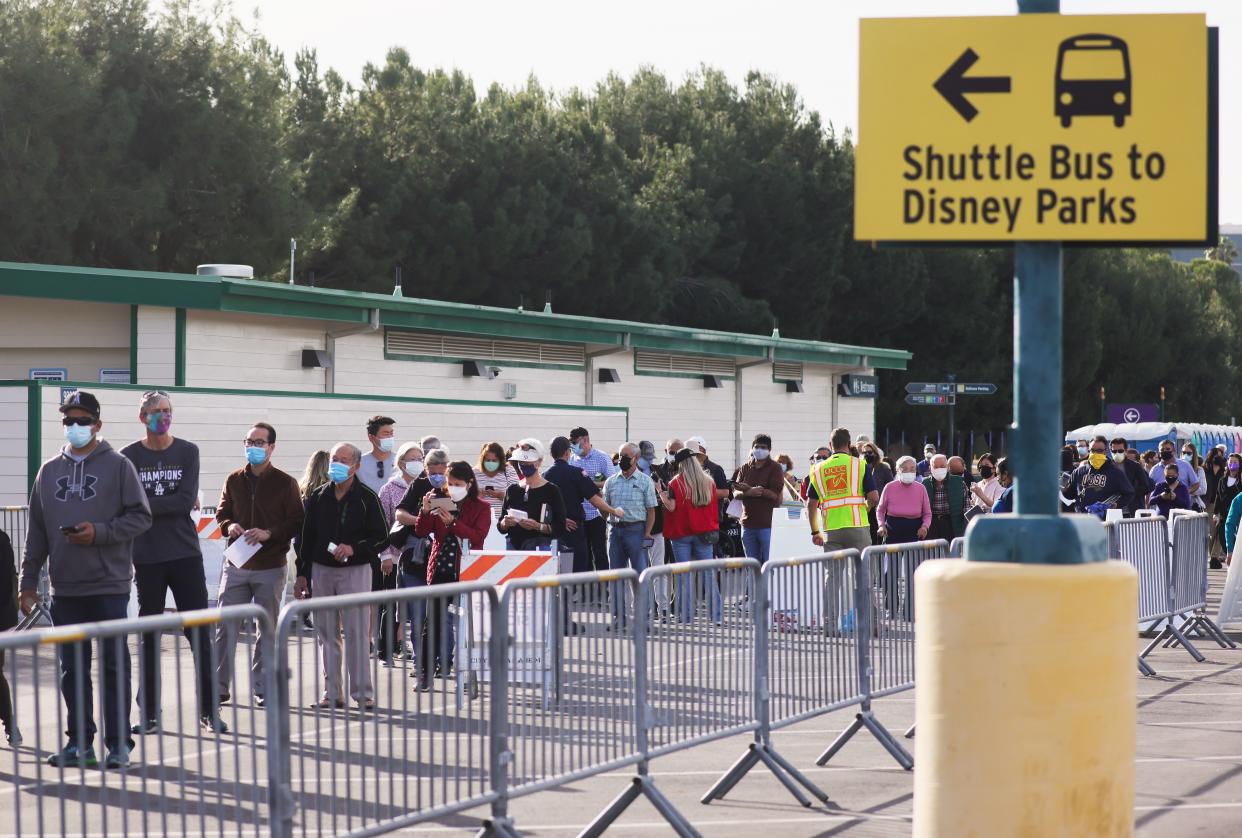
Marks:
<point>86,508</point>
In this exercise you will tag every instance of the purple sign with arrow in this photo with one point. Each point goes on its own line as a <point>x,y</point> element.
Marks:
<point>1129,414</point>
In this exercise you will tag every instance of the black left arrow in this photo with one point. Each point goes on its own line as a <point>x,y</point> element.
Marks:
<point>953,84</point>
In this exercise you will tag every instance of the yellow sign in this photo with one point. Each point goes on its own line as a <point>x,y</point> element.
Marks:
<point>1034,127</point>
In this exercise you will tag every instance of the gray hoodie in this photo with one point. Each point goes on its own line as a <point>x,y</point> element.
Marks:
<point>102,489</point>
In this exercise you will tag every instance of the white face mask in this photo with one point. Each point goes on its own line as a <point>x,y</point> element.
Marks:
<point>1119,457</point>
<point>906,477</point>
<point>388,443</point>
<point>414,468</point>
<point>939,473</point>
<point>457,493</point>
<point>670,458</point>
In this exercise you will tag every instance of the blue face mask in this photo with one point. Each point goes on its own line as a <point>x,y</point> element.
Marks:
<point>436,480</point>
<point>759,453</point>
<point>1190,458</point>
<point>576,448</point>
<point>256,456</point>
<point>338,472</point>
<point>527,469</point>
<point>78,436</point>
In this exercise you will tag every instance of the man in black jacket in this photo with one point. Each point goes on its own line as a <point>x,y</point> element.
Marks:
<point>1098,484</point>
<point>1135,473</point>
<point>342,537</point>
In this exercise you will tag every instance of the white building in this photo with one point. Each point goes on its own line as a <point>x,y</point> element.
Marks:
<point>316,363</point>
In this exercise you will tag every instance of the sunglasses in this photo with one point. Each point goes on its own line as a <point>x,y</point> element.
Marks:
<point>84,421</point>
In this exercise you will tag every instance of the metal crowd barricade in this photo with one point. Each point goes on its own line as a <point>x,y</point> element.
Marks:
<point>1190,537</point>
<point>806,663</point>
<point>14,520</point>
<point>957,548</point>
<point>365,760</point>
<point>185,776</point>
<point>695,669</point>
<point>571,680</point>
<point>1143,544</point>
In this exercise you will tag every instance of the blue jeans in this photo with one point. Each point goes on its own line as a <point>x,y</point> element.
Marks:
<point>75,671</point>
<point>415,611</point>
<point>757,542</point>
<point>689,549</point>
<point>625,550</point>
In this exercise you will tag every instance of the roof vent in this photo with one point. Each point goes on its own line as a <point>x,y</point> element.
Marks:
<point>231,271</point>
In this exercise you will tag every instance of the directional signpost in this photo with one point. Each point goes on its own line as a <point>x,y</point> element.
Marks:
<point>1032,130</point>
<point>944,394</point>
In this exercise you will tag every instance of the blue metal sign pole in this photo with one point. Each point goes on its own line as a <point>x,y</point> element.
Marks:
<point>1037,376</point>
<point>1038,534</point>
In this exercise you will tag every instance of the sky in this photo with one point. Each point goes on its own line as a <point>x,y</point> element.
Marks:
<point>812,44</point>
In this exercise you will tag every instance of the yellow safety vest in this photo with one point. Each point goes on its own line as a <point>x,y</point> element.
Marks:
<point>838,482</point>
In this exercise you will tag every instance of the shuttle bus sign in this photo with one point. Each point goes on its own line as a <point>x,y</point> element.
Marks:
<point>1076,128</point>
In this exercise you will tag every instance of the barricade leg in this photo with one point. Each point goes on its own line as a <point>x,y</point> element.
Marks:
<point>1203,626</point>
<point>1172,631</point>
<point>909,734</point>
<point>865,718</point>
<point>640,786</point>
<point>1145,668</point>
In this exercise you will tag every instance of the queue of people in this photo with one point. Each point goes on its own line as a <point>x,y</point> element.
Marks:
<point>392,515</point>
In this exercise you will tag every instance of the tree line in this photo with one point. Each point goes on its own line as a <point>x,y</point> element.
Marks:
<point>133,138</point>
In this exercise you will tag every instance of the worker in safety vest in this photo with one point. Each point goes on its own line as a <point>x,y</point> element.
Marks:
<point>841,491</point>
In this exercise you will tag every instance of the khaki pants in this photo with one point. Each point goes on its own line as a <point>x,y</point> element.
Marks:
<point>335,581</point>
<point>237,587</point>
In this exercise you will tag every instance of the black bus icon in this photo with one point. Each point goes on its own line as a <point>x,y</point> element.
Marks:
<point>1093,78</point>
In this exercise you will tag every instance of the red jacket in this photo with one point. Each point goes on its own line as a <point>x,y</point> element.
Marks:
<point>474,519</point>
<point>686,518</point>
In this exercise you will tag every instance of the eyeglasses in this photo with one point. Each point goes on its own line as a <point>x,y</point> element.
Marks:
<point>255,443</point>
<point>84,421</point>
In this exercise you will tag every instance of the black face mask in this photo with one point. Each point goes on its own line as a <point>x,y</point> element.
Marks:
<point>1166,455</point>
<point>625,462</point>
<point>872,458</point>
<point>985,472</point>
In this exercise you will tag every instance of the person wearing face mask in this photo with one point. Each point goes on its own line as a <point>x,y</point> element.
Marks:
<point>987,489</point>
<point>1135,473</point>
<point>378,464</point>
<point>87,506</point>
<point>634,494</point>
<point>792,484</point>
<point>904,513</point>
<point>1198,494</point>
<point>408,468</point>
<point>949,499</point>
<point>598,467</point>
<point>759,483</point>
<point>167,556</point>
<point>822,453</point>
<point>1098,484</point>
<point>542,508</point>
<point>1170,494</point>
<point>924,466</point>
<point>1186,474</point>
<point>1004,476</point>
<point>450,529</point>
<point>342,537</point>
<point>1234,514</point>
<point>1228,489</point>
<point>494,475</point>
<point>262,505</point>
<point>882,475</point>
<point>434,476</point>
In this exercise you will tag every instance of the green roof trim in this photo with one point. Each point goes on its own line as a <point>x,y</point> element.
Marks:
<point>189,291</point>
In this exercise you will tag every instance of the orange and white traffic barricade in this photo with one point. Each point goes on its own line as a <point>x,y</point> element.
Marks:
<point>532,643</point>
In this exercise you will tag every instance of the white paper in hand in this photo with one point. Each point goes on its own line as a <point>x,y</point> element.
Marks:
<point>518,515</point>
<point>734,509</point>
<point>240,551</point>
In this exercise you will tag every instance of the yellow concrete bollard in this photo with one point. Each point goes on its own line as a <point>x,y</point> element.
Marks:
<point>1026,701</point>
